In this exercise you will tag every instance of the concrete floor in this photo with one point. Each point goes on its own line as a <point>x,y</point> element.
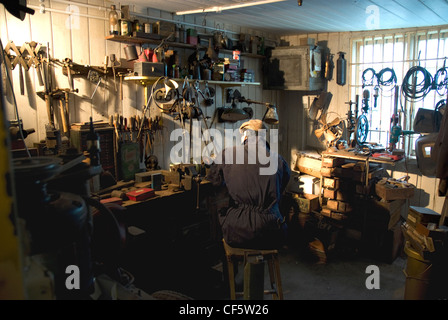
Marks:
<point>339,278</point>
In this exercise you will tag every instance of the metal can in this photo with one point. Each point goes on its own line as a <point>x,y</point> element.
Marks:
<point>148,27</point>
<point>136,26</point>
<point>126,27</point>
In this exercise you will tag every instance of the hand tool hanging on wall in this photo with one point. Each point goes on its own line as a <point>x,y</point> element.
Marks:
<point>36,57</point>
<point>48,89</point>
<point>67,65</point>
<point>16,60</point>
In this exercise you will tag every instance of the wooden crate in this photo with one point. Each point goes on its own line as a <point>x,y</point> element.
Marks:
<point>388,191</point>
<point>339,206</point>
<point>332,162</point>
<point>308,165</point>
<point>307,202</point>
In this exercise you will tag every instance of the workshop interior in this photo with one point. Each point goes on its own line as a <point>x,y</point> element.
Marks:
<point>104,189</point>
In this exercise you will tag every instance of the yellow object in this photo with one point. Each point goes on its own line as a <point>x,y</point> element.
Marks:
<point>11,280</point>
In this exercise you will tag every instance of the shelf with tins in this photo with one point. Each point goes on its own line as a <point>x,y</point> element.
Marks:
<point>156,40</point>
<point>148,80</point>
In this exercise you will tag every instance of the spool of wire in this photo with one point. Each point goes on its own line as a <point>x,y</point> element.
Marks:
<point>387,79</point>
<point>369,77</point>
<point>441,81</point>
<point>416,83</point>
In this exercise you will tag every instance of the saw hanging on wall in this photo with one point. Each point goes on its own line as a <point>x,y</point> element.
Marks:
<point>330,131</point>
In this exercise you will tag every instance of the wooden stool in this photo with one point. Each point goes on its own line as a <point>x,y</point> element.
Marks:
<point>270,256</point>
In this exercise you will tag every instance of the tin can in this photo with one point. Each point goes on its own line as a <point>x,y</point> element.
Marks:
<point>148,27</point>
<point>136,26</point>
<point>126,27</point>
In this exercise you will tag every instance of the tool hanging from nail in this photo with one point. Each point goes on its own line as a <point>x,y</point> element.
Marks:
<point>18,59</point>
<point>68,65</point>
<point>94,77</point>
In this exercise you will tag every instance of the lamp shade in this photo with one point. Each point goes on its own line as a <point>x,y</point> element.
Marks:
<point>271,116</point>
<point>234,114</point>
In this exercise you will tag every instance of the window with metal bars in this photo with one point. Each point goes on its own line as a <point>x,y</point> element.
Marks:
<point>414,62</point>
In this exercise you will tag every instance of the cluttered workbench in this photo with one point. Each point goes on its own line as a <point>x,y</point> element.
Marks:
<point>345,196</point>
<point>170,230</point>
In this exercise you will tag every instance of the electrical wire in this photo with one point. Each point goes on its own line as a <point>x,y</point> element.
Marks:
<point>387,82</point>
<point>411,89</point>
<point>16,110</point>
<point>441,85</point>
<point>371,80</point>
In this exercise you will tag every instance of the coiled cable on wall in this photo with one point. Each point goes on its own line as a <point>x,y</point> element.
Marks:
<point>418,90</point>
<point>369,77</point>
<point>389,82</point>
<point>441,84</point>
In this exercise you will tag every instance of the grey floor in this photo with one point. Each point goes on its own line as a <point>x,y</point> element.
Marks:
<point>340,278</point>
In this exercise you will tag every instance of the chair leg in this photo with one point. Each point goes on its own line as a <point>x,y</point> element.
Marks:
<point>279,278</point>
<point>231,278</point>
<point>272,278</point>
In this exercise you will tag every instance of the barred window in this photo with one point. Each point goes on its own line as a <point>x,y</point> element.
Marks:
<point>379,63</point>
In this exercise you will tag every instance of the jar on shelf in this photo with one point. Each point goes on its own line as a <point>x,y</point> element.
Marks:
<point>114,26</point>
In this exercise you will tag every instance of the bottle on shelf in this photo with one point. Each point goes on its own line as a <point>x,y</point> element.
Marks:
<point>113,21</point>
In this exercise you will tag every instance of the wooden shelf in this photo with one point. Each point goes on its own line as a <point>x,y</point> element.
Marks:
<point>156,40</point>
<point>146,80</point>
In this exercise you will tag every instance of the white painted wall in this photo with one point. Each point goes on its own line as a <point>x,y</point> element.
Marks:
<point>426,194</point>
<point>82,39</point>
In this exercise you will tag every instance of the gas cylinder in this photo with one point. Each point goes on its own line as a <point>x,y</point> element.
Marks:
<point>341,69</point>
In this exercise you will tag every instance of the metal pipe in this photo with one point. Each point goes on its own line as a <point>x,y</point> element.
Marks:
<point>66,12</point>
<point>101,8</point>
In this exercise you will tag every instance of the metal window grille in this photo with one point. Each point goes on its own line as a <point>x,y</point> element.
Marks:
<point>400,52</point>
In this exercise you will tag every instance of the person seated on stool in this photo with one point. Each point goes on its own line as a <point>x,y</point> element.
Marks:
<point>255,177</point>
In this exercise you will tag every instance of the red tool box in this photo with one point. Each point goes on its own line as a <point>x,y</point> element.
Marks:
<point>141,194</point>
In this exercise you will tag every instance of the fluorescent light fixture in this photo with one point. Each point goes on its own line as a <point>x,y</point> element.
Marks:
<point>229,7</point>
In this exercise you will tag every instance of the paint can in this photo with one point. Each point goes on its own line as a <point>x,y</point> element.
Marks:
<point>126,27</point>
<point>147,27</point>
<point>131,52</point>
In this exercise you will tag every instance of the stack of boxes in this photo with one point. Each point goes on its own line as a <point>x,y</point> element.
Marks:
<point>349,209</point>
<point>424,233</point>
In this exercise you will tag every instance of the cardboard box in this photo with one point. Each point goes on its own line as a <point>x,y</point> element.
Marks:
<point>307,202</point>
<point>112,200</point>
<point>332,162</point>
<point>332,214</point>
<point>343,172</point>
<point>308,164</point>
<point>391,191</point>
<point>331,183</point>
<point>330,193</point>
<point>420,243</point>
<point>327,172</point>
<point>141,194</point>
<point>154,69</point>
<point>421,215</point>
<point>394,208</point>
<point>338,206</point>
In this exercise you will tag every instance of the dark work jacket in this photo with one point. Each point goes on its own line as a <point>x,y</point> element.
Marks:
<point>253,219</point>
